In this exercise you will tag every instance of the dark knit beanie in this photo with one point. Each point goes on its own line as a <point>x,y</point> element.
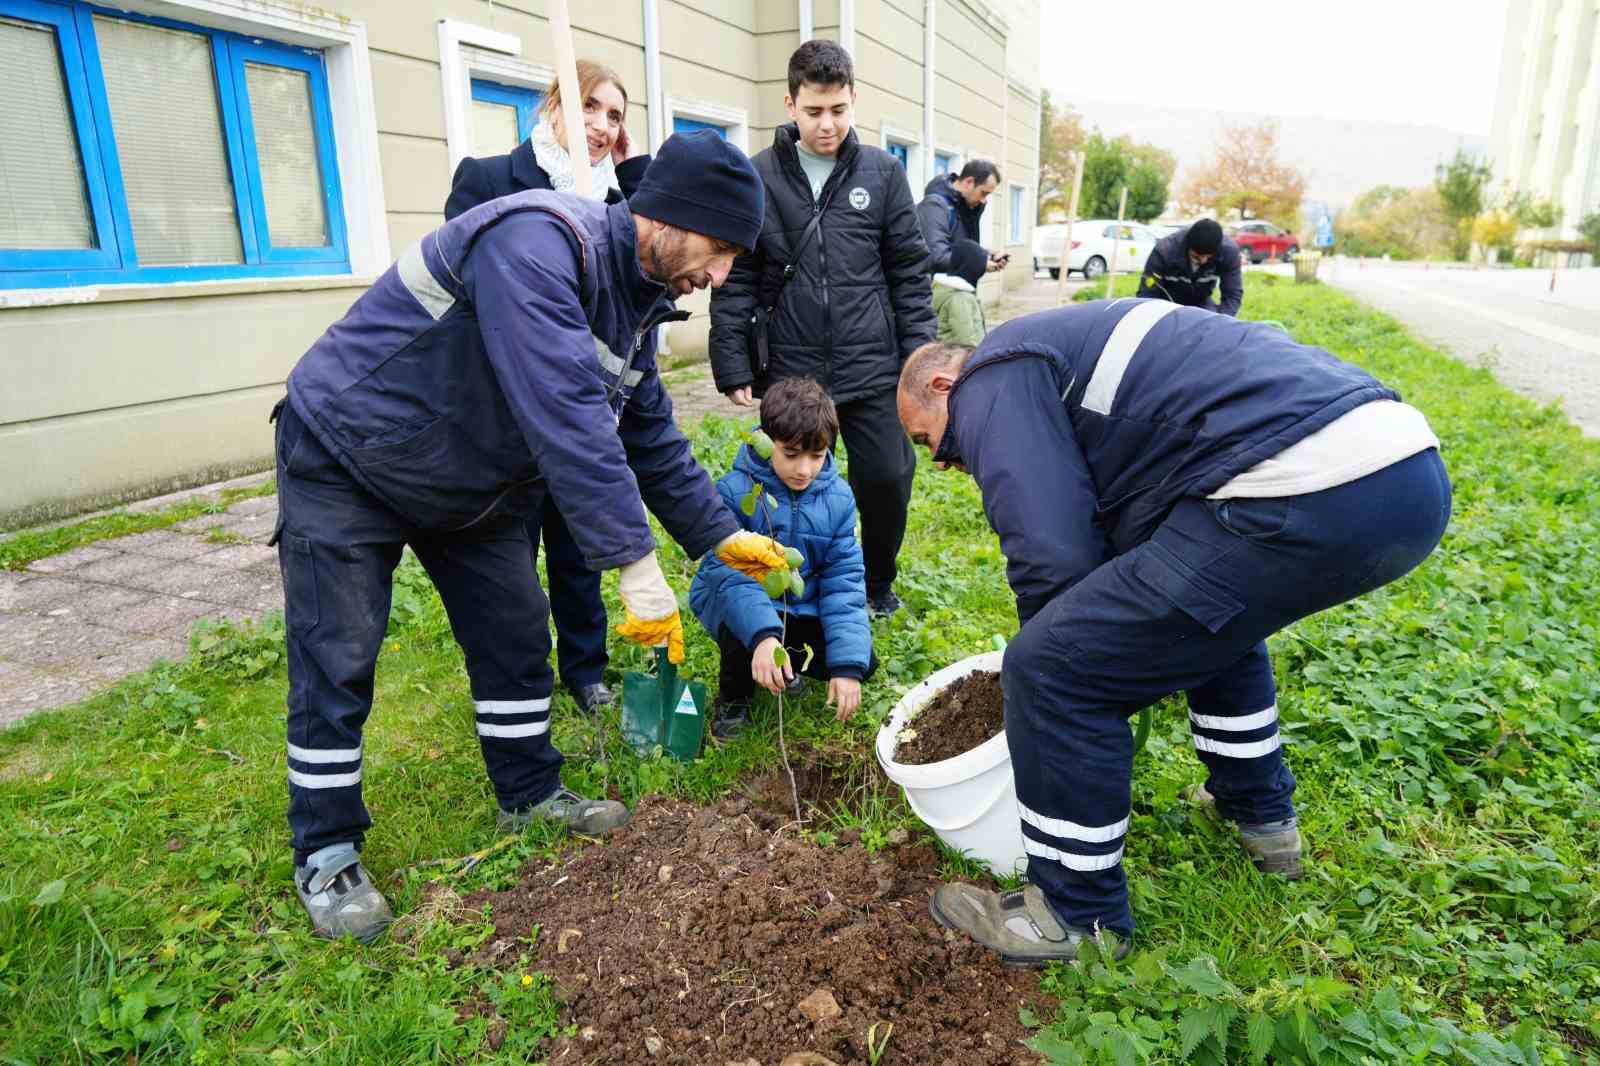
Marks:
<point>1205,237</point>
<point>701,183</point>
<point>968,260</point>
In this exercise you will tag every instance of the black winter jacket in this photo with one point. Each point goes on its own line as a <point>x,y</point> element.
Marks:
<point>1168,275</point>
<point>946,220</point>
<point>860,300</point>
<point>489,177</point>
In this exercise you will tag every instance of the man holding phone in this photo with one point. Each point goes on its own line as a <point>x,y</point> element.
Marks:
<point>949,214</point>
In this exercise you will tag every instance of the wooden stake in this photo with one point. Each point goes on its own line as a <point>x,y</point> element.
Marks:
<point>1072,216</point>
<point>571,95</point>
<point>1116,239</point>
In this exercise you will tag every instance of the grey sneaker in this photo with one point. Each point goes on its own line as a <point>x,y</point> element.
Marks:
<point>1019,925</point>
<point>1274,847</point>
<point>567,810</point>
<point>340,897</point>
<point>595,698</point>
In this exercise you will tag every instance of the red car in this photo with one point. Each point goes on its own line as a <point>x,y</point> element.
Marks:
<point>1259,241</point>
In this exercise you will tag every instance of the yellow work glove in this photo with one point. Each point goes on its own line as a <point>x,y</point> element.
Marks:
<point>752,554</point>
<point>650,607</point>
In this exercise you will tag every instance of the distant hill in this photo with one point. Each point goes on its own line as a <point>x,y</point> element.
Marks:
<point>1341,158</point>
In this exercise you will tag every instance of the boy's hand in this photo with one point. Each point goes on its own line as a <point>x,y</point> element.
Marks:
<point>752,554</point>
<point>768,674</point>
<point>845,692</point>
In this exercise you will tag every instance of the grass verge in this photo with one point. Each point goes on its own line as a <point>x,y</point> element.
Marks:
<point>1443,731</point>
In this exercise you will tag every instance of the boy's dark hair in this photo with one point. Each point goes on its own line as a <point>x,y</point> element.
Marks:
<point>981,169</point>
<point>821,63</point>
<point>797,411</point>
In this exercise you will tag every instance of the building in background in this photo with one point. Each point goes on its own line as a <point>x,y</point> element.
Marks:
<point>1545,139</point>
<point>192,190</point>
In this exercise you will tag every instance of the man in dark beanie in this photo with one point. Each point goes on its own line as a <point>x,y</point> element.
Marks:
<point>1185,266</point>
<point>505,356</point>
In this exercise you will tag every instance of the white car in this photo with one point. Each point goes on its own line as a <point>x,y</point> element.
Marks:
<point>1091,251</point>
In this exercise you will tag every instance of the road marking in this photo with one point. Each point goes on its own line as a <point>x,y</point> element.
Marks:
<point>1569,338</point>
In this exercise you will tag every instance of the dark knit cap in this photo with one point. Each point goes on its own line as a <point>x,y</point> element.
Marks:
<point>1205,237</point>
<point>701,183</point>
<point>968,260</point>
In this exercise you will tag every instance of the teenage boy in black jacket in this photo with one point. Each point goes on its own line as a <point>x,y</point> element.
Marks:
<point>856,303</point>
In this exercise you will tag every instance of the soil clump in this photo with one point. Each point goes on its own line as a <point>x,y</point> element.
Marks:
<point>716,935</point>
<point>963,716</point>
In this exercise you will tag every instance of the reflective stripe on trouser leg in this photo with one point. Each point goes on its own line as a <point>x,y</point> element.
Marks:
<point>1072,761</point>
<point>1233,718</point>
<point>500,616</point>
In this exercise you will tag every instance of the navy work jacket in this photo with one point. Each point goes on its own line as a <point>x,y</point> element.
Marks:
<point>1083,426</point>
<point>505,356</point>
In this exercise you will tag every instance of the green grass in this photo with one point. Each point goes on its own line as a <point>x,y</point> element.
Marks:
<point>20,549</point>
<point>1443,731</point>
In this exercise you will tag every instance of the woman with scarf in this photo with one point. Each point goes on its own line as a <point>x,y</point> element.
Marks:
<point>543,162</point>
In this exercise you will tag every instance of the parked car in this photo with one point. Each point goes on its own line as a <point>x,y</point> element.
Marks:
<point>1259,241</point>
<point>1090,253</point>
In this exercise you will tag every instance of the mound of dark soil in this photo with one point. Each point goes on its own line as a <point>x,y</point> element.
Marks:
<point>966,714</point>
<point>716,936</point>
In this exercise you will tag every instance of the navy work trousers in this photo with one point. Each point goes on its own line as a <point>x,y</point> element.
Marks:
<point>575,601</point>
<point>338,546</point>
<point>1189,611</point>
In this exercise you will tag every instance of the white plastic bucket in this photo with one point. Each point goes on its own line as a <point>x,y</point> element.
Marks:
<point>970,800</point>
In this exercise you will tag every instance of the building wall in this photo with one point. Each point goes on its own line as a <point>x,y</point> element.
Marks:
<point>123,392</point>
<point>1545,136</point>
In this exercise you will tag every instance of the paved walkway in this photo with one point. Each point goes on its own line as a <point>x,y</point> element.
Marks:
<point>72,624</point>
<point>1542,343</point>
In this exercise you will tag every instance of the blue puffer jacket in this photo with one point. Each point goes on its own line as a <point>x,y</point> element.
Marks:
<point>1083,426</point>
<point>506,355</point>
<point>821,523</point>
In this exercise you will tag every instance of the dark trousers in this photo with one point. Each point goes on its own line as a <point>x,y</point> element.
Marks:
<point>1189,611</point>
<point>338,547</point>
<point>575,601</point>
<point>882,464</point>
<point>734,680</point>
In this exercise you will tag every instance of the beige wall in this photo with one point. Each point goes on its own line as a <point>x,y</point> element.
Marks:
<point>120,393</point>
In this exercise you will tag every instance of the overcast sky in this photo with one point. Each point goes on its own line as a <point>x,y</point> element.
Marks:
<point>1434,62</point>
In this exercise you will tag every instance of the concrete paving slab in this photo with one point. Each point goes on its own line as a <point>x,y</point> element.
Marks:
<point>25,690</point>
<point>241,557</point>
<point>188,580</point>
<point>35,640</point>
<point>255,505</point>
<point>165,544</point>
<point>40,592</point>
<point>99,602</point>
<point>57,564</point>
<point>121,569</point>
<point>252,590</point>
<point>156,614</point>
<point>118,662</point>
<point>200,524</point>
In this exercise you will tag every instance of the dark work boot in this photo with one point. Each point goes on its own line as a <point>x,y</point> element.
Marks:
<point>729,719</point>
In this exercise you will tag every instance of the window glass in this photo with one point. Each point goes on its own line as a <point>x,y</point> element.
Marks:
<point>42,201</point>
<point>162,89</point>
<point>286,145</point>
<point>494,128</point>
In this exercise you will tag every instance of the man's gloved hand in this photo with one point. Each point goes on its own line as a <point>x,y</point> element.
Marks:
<point>651,608</point>
<point>752,554</point>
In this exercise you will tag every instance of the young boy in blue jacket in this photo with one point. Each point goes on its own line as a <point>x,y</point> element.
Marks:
<point>815,514</point>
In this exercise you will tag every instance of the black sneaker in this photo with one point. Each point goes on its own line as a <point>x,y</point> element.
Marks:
<point>730,718</point>
<point>595,698</point>
<point>883,604</point>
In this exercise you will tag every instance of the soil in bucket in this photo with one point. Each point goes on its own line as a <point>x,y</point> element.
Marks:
<point>961,717</point>
<point>716,935</point>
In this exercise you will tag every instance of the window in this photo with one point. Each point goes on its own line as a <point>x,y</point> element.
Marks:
<point>1015,194</point>
<point>137,149</point>
<point>690,125</point>
<point>943,162</point>
<point>502,116</point>
<point>900,152</point>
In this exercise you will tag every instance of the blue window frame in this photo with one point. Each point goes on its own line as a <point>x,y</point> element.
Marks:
<point>526,101</point>
<point>942,162</point>
<point>900,152</point>
<point>114,257</point>
<point>1015,194</point>
<point>689,125</point>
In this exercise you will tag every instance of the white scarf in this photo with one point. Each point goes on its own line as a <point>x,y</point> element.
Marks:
<point>556,162</point>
